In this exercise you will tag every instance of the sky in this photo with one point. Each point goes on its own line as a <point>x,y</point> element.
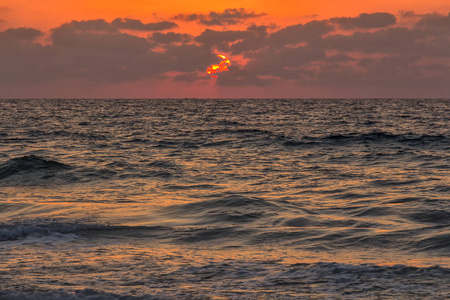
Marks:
<point>277,49</point>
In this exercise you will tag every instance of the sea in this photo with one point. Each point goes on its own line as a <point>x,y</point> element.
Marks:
<point>224,199</point>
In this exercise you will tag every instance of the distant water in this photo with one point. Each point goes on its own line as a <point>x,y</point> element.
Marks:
<point>225,199</point>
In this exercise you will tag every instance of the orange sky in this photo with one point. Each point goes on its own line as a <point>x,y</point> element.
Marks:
<point>46,14</point>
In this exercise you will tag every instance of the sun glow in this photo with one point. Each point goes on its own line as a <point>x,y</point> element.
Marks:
<point>221,67</point>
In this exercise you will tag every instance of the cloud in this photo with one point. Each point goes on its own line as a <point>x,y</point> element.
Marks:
<point>96,35</point>
<point>373,20</point>
<point>279,54</point>
<point>188,57</point>
<point>400,55</point>
<point>19,34</point>
<point>429,37</point>
<point>435,20</point>
<point>170,37</point>
<point>236,77</point>
<point>256,39</point>
<point>287,57</point>
<point>133,24</point>
<point>411,57</point>
<point>408,14</point>
<point>221,39</point>
<point>236,41</point>
<point>295,34</point>
<point>90,52</point>
<point>394,71</point>
<point>284,63</point>
<point>99,25</point>
<point>338,58</point>
<point>22,57</point>
<point>230,16</point>
<point>392,40</point>
<point>214,37</point>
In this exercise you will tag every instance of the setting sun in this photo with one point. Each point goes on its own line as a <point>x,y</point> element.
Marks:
<point>221,67</point>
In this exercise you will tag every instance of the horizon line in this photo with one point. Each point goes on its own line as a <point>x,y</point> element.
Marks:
<point>237,98</point>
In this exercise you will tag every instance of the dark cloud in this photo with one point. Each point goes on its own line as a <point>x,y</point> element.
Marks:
<point>133,24</point>
<point>221,39</point>
<point>279,54</point>
<point>407,14</point>
<point>391,40</point>
<point>259,31</point>
<point>298,52</point>
<point>89,52</point>
<point>99,25</point>
<point>285,63</point>
<point>68,36</point>
<point>22,58</point>
<point>236,41</point>
<point>435,20</point>
<point>287,57</point>
<point>188,57</point>
<point>19,34</point>
<point>256,39</point>
<point>230,16</point>
<point>170,37</point>
<point>212,37</point>
<point>373,20</point>
<point>395,71</point>
<point>406,58</point>
<point>240,77</point>
<point>338,58</point>
<point>423,39</point>
<point>300,33</point>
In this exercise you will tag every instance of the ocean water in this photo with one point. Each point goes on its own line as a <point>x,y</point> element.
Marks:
<point>225,199</point>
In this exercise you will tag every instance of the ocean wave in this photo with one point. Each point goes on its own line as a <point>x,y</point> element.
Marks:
<point>33,170</point>
<point>66,134</point>
<point>60,294</point>
<point>366,281</point>
<point>231,201</point>
<point>430,216</point>
<point>230,123</point>
<point>54,227</point>
<point>232,209</point>
<point>438,242</point>
<point>31,163</point>
<point>234,279</point>
<point>124,169</point>
<point>371,137</point>
<point>37,228</point>
<point>243,220</point>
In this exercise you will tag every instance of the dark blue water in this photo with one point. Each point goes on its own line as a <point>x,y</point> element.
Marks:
<point>225,199</point>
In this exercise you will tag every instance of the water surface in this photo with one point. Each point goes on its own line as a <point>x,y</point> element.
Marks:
<point>224,199</point>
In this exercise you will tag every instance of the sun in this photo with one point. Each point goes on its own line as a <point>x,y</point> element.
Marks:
<point>221,67</point>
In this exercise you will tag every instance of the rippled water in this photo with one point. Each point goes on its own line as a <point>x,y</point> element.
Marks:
<point>224,199</point>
